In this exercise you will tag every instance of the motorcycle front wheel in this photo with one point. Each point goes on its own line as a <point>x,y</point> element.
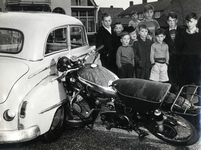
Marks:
<point>177,131</point>
<point>78,111</point>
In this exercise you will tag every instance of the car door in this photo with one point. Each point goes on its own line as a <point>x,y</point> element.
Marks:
<point>79,45</point>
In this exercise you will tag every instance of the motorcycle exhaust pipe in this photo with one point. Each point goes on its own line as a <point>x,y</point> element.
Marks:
<point>159,119</point>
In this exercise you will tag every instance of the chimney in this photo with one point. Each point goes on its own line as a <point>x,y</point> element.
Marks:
<point>111,6</point>
<point>131,3</point>
<point>144,1</point>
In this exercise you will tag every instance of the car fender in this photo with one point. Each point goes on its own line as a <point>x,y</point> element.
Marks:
<point>42,103</point>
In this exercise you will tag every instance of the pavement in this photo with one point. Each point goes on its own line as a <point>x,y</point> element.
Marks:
<point>100,127</point>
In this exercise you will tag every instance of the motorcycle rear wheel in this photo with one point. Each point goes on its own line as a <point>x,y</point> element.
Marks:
<point>177,131</point>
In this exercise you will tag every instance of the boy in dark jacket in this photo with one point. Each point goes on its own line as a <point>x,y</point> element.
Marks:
<point>104,37</point>
<point>142,49</point>
<point>173,34</point>
<point>116,39</point>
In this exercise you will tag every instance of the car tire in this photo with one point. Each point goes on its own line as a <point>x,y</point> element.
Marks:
<point>57,127</point>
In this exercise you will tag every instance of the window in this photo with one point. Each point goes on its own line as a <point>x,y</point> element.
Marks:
<point>83,13</point>
<point>59,10</point>
<point>79,2</point>
<point>91,13</point>
<point>77,36</point>
<point>87,18</point>
<point>157,14</point>
<point>91,25</point>
<point>75,13</point>
<point>11,41</point>
<point>57,40</point>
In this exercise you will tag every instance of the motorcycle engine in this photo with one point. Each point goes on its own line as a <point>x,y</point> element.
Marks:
<point>131,113</point>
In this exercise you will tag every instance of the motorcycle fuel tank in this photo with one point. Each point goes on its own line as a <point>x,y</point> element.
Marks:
<point>97,74</point>
<point>98,79</point>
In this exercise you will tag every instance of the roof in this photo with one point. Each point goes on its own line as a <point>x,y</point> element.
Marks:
<point>35,27</point>
<point>114,12</point>
<point>158,6</point>
<point>124,21</point>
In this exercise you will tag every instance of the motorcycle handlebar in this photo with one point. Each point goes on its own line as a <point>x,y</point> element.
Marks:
<point>92,52</point>
<point>77,63</point>
<point>99,48</point>
<point>64,74</point>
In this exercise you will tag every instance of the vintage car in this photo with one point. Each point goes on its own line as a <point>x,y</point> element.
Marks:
<point>31,101</point>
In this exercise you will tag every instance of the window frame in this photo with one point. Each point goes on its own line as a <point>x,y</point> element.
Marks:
<point>85,18</point>
<point>83,36</point>
<point>57,43</point>
<point>22,38</point>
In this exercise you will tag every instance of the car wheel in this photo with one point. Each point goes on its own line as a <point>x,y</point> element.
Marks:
<point>57,127</point>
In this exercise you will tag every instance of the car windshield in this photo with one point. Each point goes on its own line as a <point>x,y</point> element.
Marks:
<point>10,41</point>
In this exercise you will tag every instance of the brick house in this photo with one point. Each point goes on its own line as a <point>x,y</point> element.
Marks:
<point>85,10</point>
<point>183,7</point>
<point>162,8</point>
<point>159,7</point>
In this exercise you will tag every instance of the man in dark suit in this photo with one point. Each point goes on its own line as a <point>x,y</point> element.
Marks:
<point>172,39</point>
<point>104,37</point>
<point>199,23</point>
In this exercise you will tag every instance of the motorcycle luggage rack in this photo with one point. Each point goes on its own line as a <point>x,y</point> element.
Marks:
<point>190,93</point>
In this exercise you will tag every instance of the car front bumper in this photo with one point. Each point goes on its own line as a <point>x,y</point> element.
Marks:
<point>15,136</point>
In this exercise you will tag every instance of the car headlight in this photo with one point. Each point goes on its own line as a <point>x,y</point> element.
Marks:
<point>9,115</point>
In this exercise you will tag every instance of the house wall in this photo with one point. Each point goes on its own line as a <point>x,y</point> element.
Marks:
<point>183,7</point>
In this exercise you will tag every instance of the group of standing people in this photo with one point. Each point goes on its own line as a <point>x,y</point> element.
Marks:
<point>149,52</point>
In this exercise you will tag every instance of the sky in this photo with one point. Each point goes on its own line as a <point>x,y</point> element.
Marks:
<point>118,3</point>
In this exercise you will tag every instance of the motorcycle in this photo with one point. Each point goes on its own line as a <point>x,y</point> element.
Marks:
<point>133,104</point>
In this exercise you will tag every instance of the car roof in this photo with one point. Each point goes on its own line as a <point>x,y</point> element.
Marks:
<point>35,26</point>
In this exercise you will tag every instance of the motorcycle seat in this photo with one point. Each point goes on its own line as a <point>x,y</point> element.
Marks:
<point>140,89</point>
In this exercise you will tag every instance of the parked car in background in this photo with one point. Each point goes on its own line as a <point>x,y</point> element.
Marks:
<point>31,101</point>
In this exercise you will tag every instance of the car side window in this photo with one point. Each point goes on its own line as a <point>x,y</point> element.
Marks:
<point>11,41</point>
<point>77,36</point>
<point>57,40</point>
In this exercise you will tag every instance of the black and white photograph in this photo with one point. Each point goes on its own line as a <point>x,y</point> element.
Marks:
<point>100,74</point>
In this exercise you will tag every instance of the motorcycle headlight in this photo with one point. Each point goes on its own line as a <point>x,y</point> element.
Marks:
<point>63,64</point>
<point>9,115</point>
